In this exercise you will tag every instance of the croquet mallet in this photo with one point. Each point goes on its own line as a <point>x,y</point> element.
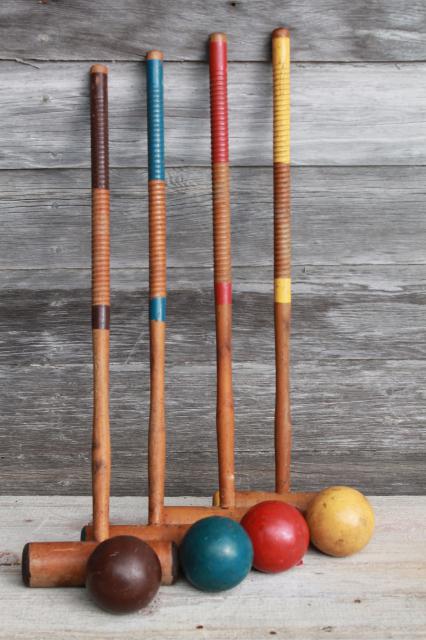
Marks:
<point>63,564</point>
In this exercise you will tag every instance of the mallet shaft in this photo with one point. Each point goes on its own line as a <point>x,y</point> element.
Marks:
<point>157,284</point>
<point>282,254</point>
<point>222,265</point>
<point>101,448</point>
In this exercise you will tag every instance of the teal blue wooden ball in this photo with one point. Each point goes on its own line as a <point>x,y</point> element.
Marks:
<point>216,554</point>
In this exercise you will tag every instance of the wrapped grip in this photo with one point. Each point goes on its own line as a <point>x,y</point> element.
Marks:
<point>99,126</point>
<point>219,97</point>
<point>155,113</point>
<point>281,92</point>
<point>100,186</point>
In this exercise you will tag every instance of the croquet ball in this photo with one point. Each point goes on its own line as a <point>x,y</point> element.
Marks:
<point>279,534</point>
<point>216,554</point>
<point>341,521</point>
<point>123,574</point>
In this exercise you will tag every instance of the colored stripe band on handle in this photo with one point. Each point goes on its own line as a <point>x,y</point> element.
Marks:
<point>219,97</point>
<point>223,292</point>
<point>155,108</point>
<point>99,126</point>
<point>100,316</point>
<point>282,288</point>
<point>157,309</point>
<point>281,73</point>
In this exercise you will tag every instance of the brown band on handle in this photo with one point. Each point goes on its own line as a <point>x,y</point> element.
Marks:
<point>99,126</point>
<point>100,316</point>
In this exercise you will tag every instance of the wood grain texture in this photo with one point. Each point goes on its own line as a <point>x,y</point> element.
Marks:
<point>357,114</point>
<point>348,313</point>
<point>358,337</point>
<point>125,30</point>
<point>359,278</point>
<point>341,215</point>
<point>353,421</point>
<point>376,594</point>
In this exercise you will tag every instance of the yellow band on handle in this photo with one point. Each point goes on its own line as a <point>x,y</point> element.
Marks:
<point>281,75</point>
<point>282,290</point>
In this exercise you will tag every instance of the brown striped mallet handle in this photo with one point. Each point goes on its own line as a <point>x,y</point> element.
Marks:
<point>101,447</point>
<point>282,254</point>
<point>222,265</point>
<point>157,284</point>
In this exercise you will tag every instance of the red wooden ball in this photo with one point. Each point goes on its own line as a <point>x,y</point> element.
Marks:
<point>279,534</point>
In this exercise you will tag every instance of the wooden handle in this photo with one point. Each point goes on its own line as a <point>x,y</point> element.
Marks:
<point>222,264</point>
<point>157,284</point>
<point>282,254</point>
<point>101,448</point>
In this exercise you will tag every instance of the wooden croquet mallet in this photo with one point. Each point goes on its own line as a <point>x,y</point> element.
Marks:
<point>48,564</point>
<point>282,281</point>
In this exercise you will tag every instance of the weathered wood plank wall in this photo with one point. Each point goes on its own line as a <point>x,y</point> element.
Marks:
<point>358,149</point>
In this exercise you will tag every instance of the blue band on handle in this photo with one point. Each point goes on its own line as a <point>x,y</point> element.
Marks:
<point>157,309</point>
<point>155,108</point>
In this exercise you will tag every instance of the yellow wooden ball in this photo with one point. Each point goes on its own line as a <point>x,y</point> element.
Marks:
<point>340,520</point>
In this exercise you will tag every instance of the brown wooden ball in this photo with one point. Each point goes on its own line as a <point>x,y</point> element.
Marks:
<point>123,574</point>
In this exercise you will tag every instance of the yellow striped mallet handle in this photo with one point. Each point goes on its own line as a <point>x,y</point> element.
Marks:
<point>282,254</point>
<point>101,447</point>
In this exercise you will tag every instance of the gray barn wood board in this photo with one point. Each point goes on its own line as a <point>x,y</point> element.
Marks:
<point>334,30</point>
<point>342,114</point>
<point>372,595</point>
<point>358,150</point>
<point>337,312</point>
<point>341,215</point>
<point>347,415</point>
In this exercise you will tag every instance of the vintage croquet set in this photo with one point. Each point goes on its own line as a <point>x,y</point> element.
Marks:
<point>123,564</point>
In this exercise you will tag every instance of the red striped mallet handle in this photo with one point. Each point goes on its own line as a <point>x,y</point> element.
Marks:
<point>222,265</point>
<point>101,448</point>
<point>282,254</point>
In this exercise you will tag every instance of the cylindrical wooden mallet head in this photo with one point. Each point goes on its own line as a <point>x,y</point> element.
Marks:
<point>63,564</point>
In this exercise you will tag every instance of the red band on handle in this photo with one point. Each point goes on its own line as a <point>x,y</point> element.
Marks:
<point>223,292</point>
<point>219,99</point>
